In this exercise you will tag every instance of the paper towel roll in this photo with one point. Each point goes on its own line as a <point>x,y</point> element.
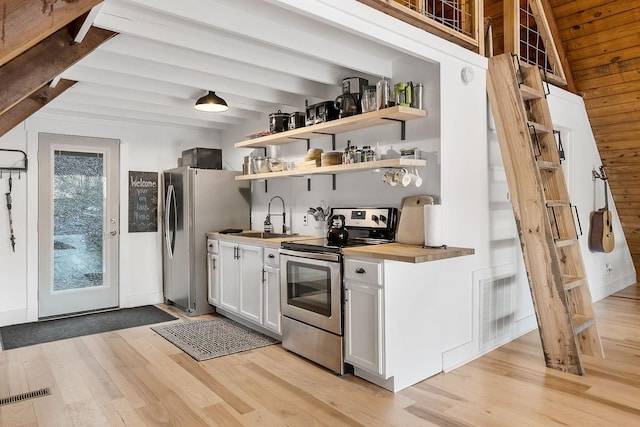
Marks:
<point>433,225</point>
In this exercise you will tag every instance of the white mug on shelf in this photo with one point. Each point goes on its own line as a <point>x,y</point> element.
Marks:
<point>402,177</point>
<point>415,178</point>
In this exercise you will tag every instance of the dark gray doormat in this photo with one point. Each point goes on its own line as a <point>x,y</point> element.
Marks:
<point>211,338</point>
<point>25,334</point>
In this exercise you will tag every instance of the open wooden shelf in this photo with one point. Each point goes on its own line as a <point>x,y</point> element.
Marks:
<point>328,170</point>
<point>347,124</point>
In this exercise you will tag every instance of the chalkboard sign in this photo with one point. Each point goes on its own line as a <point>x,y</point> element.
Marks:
<point>143,202</point>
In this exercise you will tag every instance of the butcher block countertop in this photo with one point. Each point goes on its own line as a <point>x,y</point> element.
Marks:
<point>406,253</point>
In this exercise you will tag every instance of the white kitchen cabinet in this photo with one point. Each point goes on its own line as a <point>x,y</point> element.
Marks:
<point>250,260</point>
<point>272,314</point>
<point>364,326</point>
<point>240,269</point>
<point>364,315</point>
<point>213,279</point>
<point>392,321</point>
<point>271,304</point>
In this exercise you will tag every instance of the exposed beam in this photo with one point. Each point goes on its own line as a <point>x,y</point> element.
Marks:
<point>25,23</point>
<point>21,111</point>
<point>217,66</point>
<point>91,75</point>
<point>190,77</point>
<point>84,23</point>
<point>43,62</point>
<point>150,24</point>
<point>273,25</point>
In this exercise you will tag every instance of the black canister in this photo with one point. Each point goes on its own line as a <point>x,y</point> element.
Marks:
<point>296,120</point>
<point>278,122</point>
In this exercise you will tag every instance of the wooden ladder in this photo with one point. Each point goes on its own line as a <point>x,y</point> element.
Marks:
<point>544,215</point>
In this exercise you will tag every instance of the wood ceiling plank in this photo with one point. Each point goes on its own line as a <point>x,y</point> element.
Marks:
<point>619,145</point>
<point>614,89</point>
<point>599,25</point>
<point>612,119</point>
<point>615,137</point>
<point>607,70</point>
<point>613,105</point>
<point>596,80</point>
<point>25,23</point>
<point>592,10</point>
<point>617,128</point>
<point>41,97</point>
<point>603,41</point>
<point>43,62</point>
<point>572,7</point>
<point>614,55</point>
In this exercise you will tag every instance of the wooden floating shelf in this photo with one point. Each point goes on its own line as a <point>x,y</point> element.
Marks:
<point>328,170</point>
<point>347,124</point>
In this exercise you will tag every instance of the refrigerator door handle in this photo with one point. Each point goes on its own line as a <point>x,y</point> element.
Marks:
<point>169,236</point>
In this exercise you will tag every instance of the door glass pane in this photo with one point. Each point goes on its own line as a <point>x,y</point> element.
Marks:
<point>78,220</point>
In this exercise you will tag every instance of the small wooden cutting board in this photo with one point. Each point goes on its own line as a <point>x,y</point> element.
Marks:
<point>411,221</point>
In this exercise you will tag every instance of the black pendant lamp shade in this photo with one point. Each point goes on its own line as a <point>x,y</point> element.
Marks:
<point>211,103</point>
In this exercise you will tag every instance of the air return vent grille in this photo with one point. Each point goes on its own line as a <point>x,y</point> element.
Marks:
<point>25,396</point>
<point>496,310</point>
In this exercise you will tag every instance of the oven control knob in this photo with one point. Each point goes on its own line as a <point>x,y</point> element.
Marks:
<point>375,219</point>
<point>383,218</point>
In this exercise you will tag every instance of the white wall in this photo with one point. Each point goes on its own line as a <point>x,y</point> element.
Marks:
<point>143,148</point>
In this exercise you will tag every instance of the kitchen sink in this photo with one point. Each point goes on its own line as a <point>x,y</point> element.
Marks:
<point>265,235</point>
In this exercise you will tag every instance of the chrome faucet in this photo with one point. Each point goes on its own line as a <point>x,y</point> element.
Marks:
<point>267,221</point>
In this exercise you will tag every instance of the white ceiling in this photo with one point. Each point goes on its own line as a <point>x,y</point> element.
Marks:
<point>257,55</point>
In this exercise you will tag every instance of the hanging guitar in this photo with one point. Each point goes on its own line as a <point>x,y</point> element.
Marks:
<point>601,233</point>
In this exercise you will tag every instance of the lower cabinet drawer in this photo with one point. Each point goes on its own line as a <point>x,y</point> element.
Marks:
<point>363,271</point>
<point>271,257</point>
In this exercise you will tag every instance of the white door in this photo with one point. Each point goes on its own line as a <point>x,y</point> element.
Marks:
<point>78,224</point>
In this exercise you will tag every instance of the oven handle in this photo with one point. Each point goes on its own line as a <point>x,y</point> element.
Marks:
<point>311,255</point>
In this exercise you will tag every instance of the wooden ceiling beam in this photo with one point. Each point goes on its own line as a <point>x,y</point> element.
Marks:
<point>25,108</point>
<point>43,62</point>
<point>25,23</point>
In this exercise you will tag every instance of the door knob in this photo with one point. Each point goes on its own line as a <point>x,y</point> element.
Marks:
<point>113,232</point>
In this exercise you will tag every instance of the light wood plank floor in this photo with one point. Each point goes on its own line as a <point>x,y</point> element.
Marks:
<point>136,378</point>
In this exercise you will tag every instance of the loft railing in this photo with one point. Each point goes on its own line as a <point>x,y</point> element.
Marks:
<point>459,21</point>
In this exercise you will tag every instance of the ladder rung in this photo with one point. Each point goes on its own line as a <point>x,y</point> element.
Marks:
<point>571,282</point>
<point>558,203</point>
<point>538,127</point>
<point>529,93</point>
<point>543,164</point>
<point>581,322</point>
<point>561,243</point>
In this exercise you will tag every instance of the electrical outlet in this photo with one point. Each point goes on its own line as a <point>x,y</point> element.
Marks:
<point>306,220</point>
<point>607,269</point>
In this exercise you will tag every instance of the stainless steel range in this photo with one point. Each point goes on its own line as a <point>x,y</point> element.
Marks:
<point>311,285</point>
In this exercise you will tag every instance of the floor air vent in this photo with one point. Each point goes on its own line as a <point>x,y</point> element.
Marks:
<point>25,396</point>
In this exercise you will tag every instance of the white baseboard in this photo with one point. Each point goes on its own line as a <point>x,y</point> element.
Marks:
<point>467,352</point>
<point>613,287</point>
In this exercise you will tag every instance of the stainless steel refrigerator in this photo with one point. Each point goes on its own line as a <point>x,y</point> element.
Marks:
<point>197,201</point>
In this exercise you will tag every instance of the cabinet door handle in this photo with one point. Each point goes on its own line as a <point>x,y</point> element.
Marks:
<point>272,256</point>
<point>264,280</point>
<point>214,263</point>
<point>360,270</point>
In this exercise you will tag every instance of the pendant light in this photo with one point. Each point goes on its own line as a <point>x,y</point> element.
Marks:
<point>211,103</point>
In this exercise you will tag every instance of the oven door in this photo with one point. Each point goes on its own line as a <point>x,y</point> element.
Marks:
<point>311,289</point>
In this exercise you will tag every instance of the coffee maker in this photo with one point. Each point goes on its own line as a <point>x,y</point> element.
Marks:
<point>349,102</point>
